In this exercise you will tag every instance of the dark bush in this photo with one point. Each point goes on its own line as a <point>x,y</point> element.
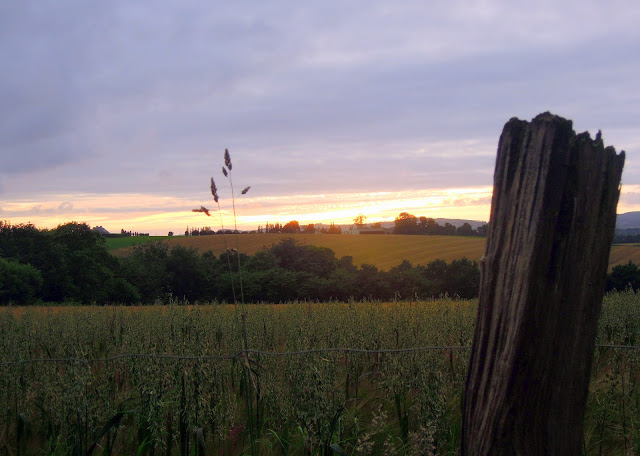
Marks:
<point>19,283</point>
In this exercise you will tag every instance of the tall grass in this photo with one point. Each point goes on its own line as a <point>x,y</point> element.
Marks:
<point>249,375</point>
<point>314,403</point>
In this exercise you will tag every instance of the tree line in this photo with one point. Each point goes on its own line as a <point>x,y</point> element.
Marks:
<point>621,238</point>
<point>71,263</point>
<point>68,263</point>
<point>407,223</point>
<point>293,227</point>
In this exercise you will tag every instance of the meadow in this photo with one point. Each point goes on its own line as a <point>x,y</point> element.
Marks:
<point>383,251</point>
<point>184,400</point>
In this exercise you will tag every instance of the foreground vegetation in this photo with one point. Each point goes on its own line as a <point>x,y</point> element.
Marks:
<point>312,403</point>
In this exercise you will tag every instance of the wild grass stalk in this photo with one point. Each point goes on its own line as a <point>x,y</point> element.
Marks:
<point>216,198</point>
<point>226,171</point>
<point>249,379</point>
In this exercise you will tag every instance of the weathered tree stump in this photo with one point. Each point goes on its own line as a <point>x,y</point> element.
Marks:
<point>543,276</point>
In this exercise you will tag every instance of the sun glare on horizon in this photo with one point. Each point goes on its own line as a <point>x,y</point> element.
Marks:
<point>158,215</point>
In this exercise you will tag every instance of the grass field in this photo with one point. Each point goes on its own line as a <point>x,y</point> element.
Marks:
<point>383,251</point>
<point>391,404</point>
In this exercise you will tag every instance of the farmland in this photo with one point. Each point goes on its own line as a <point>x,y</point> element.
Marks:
<point>623,253</point>
<point>362,403</point>
<point>383,251</point>
<point>128,241</point>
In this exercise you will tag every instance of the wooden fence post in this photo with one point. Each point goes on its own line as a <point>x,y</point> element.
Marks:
<point>543,274</point>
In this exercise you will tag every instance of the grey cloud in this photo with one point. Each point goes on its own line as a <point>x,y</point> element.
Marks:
<point>317,97</point>
<point>68,208</point>
<point>464,202</point>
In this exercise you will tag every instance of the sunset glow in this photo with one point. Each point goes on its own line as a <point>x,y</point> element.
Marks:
<point>158,215</point>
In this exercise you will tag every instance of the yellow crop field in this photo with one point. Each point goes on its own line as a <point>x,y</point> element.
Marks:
<point>383,251</point>
<point>622,254</point>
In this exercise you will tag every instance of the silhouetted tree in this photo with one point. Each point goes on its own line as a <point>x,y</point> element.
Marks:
<point>291,227</point>
<point>333,229</point>
<point>448,229</point>
<point>405,223</point>
<point>309,229</point>
<point>359,220</point>
<point>623,277</point>
<point>465,230</point>
<point>428,226</point>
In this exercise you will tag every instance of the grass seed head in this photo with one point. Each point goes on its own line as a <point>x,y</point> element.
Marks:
<point>227,159</point>
<point>224,171</point>
<point>244,192</point>
<point>214,190</point>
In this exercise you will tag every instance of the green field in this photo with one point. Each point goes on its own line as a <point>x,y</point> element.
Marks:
<point>391,403</point>
<point>383,251</point>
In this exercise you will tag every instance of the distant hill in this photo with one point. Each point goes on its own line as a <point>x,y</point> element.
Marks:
<point>628,220</point>
<point>440,221</point>
<point>459,222</point>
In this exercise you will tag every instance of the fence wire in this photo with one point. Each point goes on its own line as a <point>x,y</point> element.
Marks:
<point>88,362</point>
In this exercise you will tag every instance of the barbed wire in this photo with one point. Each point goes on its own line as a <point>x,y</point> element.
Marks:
<point>88,362</point>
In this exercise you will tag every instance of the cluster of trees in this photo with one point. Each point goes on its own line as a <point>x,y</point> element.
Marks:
<point>293,227</point>
<point>624,276</point>
<point>620,237</point>
<point>286,272</point>
<point>407,223</point>
<point>71,263</point>
<point>124,233</point>
<point>204,231</point>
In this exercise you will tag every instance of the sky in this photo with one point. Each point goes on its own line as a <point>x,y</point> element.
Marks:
<point>118,113</point>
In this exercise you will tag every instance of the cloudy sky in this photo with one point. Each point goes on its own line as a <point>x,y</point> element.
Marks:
<point>117,113</point>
